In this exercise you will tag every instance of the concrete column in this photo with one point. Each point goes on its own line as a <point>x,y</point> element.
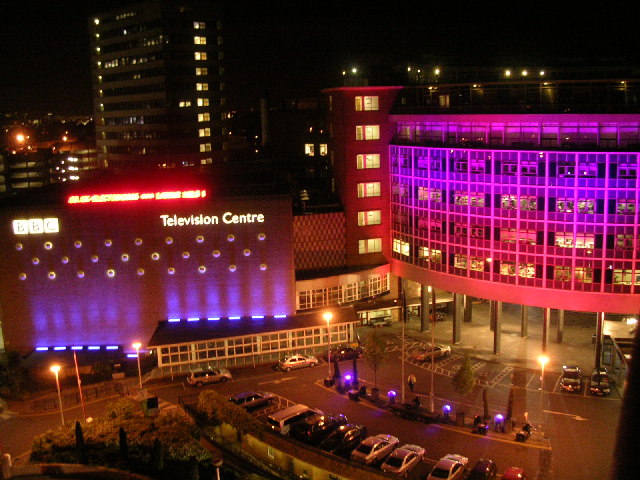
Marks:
<point>524,321</point>
<point>468,308</point>
<point>599,338</point>
<point>492,315</point>
<point>425,321</point>
<point>457,323</point>
<point>496,320</point>
<point>546,313</point>
<point>560,326</point>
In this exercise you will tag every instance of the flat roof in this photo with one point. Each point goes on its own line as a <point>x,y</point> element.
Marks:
<point>196,330</point>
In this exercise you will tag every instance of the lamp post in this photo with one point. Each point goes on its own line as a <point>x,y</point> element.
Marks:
<point>543,360</point>
<point>327,317</point>
<point>137,346</point>
<point>55,369</point>
<point>75,361</point>
<point>433,344</point>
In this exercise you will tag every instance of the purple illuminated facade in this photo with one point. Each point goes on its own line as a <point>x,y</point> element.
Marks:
<point>99,274</point>
<point>538,209</point>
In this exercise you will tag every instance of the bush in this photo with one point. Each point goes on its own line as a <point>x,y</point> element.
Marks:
<point>101,440</point>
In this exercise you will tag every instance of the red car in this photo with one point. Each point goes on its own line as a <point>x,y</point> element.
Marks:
<point>514,473</point>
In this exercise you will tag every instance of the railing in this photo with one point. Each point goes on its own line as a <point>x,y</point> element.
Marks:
<point>93,392</point>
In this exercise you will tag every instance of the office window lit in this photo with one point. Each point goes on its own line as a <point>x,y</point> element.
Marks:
<point>371,217</point>
<point>370,189</point>
<point>368,160</point>
<point>369,245</point>
<point>368,132</point>
<point>366,103</point>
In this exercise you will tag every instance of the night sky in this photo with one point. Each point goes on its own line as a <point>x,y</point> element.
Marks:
<point>290,49</point>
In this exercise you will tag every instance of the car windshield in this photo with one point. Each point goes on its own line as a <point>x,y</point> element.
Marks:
<point>366,449</point>
<point>395,462</point>
<point>571,375</point>
<point>440,473</point>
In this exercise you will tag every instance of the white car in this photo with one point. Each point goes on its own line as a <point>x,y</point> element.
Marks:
<point>403,459</point>
<point>374,449</point>
<point>297,360</point>
<point>424,354</point>
<point>449,467</point>
<point>200,377</point>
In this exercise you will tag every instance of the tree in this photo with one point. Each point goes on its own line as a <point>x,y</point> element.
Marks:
<point>464,379</point>
<point>374,353</point>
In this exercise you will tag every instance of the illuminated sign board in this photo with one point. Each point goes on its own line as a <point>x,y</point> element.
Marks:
<point>227,217</point>
<point>36,226</point>
<point>136,196</point>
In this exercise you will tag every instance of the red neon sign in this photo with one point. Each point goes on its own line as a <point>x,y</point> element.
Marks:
<point>134,197</point>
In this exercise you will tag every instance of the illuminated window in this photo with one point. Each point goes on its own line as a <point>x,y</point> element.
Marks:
<point>625,277</point>
<point>477,264</point>
<point>202,71</point>
<point>200,40</point>
<point>184,103</point>
<point>561,273</point>
<point>199,25</point>
<point>460,198</point>
<point>324,150</point>
<point>460,261</point>
<point>367,132</point>
<point>370,189</point>
<point>564,205</point>
<point>583,275</point>
<point>508,268</point>
<point>368,160</point>
<point>200,55</point>
<point>401,247</point>
<point>527,270</point>
<point>435,195</point>
<point>625,242</point>
<point>366,103</point>
<point>476,199</point>
<point>204,132</point>
<point>423,193</point>
<point>205,147</point>
<point>309,149</point>
<point>371,217</point>
<point>369,245</point>
<point>204,117</point>
<point>586,206</point>
<point>202,86</point>
<point>203,102</point>
<point>626,207</point>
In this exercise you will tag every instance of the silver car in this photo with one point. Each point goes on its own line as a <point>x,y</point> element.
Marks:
<point>374,449</point>
<point>297,360</point>
<point>403,459</point>
<point>201,377</point>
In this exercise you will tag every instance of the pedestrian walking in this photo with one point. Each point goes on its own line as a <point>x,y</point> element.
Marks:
<point>411,381</point>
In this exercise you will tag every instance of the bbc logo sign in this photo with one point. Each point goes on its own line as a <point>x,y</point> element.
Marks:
<point>36,226</point>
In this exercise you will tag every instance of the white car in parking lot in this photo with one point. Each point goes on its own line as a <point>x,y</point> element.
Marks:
<point>297,360</point>
<point>449,467</point>
<point>374,449</point>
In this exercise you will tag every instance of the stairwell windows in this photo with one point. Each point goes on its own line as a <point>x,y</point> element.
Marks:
<point>369,245</point>
<point>368,160</point>
<point>371,217</point>
<point>368,132</point>
<point>366,103</point>
<point>369,189</point>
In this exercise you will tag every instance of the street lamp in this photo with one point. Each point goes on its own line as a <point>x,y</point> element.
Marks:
<point>55,369</point>
<point>543,360</point>
<point>328,316</point>
<point>137,346</point>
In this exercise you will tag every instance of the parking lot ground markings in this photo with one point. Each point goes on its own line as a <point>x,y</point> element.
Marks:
<point>497,378</point>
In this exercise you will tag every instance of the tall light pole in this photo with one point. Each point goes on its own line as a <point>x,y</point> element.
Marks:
<point>327,317</point>
<point>137,346</point>
<point>55,369</point>
<point>75,361</point>
<point>433,345</point>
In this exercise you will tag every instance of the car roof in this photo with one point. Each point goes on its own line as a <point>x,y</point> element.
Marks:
<point>402,452</point>
<point>569,368</point>
<point>446,463</point>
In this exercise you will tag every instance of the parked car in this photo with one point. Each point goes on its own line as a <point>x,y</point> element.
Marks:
<point>341,353</point>
<point>514,473</point>
<point>403,459</point>
<point>483,470</point>
<point>200,377</point>
<point>250,400</point>
<point>374,449</point>
<point>425,353</point>
<point>449,467</point>
<point>297,360</point>
<point>282,420</point>
<point>600,382</point>
<point>314,429</point>
<point>571,381</point>
<point>344,439</point>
